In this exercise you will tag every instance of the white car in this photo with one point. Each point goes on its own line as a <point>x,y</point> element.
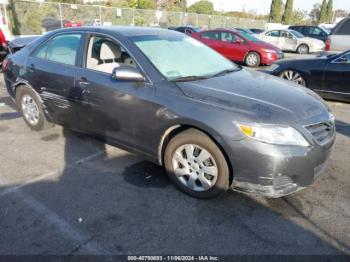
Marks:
<point>290,40</point>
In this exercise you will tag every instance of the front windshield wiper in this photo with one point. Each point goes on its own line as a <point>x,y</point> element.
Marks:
<point>188,78</point>
<point>226,71</point>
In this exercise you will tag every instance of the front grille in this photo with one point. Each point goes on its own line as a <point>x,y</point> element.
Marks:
<point>322,132</point>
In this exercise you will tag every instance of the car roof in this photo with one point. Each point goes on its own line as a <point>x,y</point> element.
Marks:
<point>126,31</point>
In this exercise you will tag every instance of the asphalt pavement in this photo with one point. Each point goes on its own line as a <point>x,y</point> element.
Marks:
<point>65,193</point>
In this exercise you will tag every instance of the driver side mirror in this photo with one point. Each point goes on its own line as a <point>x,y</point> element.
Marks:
<point>127,73</point>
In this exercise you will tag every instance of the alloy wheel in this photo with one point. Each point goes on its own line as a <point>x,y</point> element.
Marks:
<point>252,60</point>
<point>195,167</point>
<point>293,76</point>
<point>30,110</point>
<point>303,49</point>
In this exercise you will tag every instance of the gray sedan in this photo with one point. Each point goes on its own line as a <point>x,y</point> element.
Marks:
<point>160,93</point>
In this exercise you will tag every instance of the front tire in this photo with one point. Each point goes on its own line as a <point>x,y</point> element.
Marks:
<point>31,109</point>
<point>303,49</point>
<point>252,59</point>
<point>196,165</point>
<point>293,76</point>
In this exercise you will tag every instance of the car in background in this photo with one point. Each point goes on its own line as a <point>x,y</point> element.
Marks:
<point>19,42</point>
<point>188,30</point>
<point>3,47</point>
<point>256,30</point>
<point>93,22</point>
<point>242,30</point>
<point>329,76</point>
<point>50,24</point>
<point>311,31</point>
<point>339,38</point>
<point>240,47</point>
<point>212,124</point>
<point>290,40</point>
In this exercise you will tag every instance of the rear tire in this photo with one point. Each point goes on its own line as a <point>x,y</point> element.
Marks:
<point>196,165</point>
<point>303,49</point>
<point>252,59</point>
<point>30,106</point>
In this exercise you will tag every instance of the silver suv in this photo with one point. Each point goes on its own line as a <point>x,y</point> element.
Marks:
<point>339,39</point>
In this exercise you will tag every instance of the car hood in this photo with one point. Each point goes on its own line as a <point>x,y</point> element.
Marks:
<point>258,97</point>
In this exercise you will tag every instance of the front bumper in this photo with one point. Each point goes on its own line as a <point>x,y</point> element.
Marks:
<point>274,170</point>
<point>270,58</point>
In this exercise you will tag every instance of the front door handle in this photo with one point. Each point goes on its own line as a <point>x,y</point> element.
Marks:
<point>83,83</point>
<point>31,68</point>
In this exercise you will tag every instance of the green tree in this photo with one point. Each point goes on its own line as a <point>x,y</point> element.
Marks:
<point>202,7</point>
<point>330,11</point>
<point>288,12</point>
<point>276,11</point>
<point>143,4</point>
<point>176,5</point>
<point>323,13</point>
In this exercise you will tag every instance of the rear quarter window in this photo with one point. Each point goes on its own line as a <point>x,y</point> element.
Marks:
<point>343,28</point>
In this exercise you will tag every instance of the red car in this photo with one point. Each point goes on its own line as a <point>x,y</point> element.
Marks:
<point>240,47</point>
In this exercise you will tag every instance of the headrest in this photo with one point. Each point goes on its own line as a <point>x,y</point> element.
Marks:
<point>109,51</point>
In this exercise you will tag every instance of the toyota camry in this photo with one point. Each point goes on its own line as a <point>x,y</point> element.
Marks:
<point>212,124</point>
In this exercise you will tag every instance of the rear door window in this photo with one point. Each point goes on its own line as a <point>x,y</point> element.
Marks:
<point>212,35</point>
<point>316,31</point>
<point>61,49</point>
<point>274,33</point>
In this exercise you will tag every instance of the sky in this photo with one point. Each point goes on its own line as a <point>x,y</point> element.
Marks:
<point>263,6</point>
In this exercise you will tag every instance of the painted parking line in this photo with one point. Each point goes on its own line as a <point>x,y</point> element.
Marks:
<point>83,242</point>
<point>47,175</point>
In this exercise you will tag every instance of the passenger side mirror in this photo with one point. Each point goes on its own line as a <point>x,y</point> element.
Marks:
<point>238,41</point>
<point>127,73</point>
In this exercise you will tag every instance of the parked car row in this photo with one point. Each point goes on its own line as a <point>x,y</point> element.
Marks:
<point>212,124</point>
<point>252,49</point>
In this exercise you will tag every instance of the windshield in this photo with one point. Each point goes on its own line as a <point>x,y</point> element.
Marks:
<point>182,56</point>
<point>250,37</point>
<point>297,34</point>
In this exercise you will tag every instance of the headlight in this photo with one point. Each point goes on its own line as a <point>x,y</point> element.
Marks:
<point>273,134</point>
<point>272,67</point>
<point>268,50</point>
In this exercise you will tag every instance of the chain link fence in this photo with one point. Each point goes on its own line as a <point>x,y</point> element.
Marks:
<point>33,18</point>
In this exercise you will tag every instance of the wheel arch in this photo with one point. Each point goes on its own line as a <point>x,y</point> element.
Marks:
<point>175,129</point>
<point>23,82</point>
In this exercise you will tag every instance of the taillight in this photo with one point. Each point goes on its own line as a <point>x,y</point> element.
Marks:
<point>5,65</point>
<point>328,44</point>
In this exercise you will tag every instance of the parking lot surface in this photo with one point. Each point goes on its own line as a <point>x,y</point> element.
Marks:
<point>66,193</point>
